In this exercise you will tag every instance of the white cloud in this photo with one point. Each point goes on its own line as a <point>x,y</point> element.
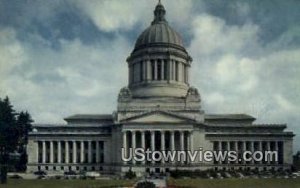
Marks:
<point>212,36</point>
<point>113,15</point>
<point>53,84</point>
<point>234,72</point>
<point>11,52</point>
<point>237,74</point>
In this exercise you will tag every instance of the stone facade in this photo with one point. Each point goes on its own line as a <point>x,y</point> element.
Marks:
<point>158,110</point>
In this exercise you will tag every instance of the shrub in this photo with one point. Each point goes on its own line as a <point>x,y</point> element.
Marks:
<point>145,184</point>
<point>130,175</point>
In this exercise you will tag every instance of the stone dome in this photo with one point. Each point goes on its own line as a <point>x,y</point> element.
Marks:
<point>159,32</point>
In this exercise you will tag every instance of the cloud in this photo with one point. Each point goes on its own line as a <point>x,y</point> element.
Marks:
<point>52,84</point>
<point>239,74</point>
<point>214,36</point>
<point>71,59</point>
<point>11,52</point>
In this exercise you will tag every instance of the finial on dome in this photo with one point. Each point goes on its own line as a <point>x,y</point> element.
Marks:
<point>159,13</point>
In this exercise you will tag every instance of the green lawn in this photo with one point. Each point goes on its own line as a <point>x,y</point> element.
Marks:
<point>66,183</point>
<point>236,183</point>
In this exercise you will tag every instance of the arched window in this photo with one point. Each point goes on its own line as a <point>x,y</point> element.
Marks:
<point>165,69</point>
<point>152,69</point>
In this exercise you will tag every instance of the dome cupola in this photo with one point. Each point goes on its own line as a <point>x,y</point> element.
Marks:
<point>159,64</point>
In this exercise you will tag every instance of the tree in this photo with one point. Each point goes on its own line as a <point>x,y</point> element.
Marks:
<point>14,128</point>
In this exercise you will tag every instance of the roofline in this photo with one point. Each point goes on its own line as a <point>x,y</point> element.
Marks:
<point>73,117</point>
<point>159,111</point>
<point>227,117</point>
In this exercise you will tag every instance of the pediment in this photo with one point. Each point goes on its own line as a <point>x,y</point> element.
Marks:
<point>158,116</point>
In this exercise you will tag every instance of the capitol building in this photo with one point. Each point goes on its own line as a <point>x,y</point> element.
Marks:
<point>159,110</point>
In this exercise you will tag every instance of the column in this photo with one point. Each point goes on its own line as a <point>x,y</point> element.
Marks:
<point>244,149</point>
<point>125,144</point>
<point>260,149</point>
<point>189,145</point>
<point>220,149</point>
<point>153,142</point>
<point>162,70</point>
<point>143,143</point>
<point>37,151</point>
<point>181,140</point>
<point>185,73</point>
<point>162,138</point>
<point>89,151</point>
<point>182,144</point>
<point>155,69</point>
<point>44,151</point>
<point>276,149</point>
<point>169,70</point>
<point>252,150</point>
<point>51,152</point>
<point>148,69</point>
<point>179,71</point>
<point>143,139</point>
<point>162,141</point>
<point>172,141</point>
<point>59,152</point>
<point>82,152</point>
<point>236,148</point>
<point>174,70</point>
<point>97,152</point>
<point>67,152</point>
<point>133,141</point>
<point>228,149</point>
<point>74,152</point>
<point>144,70</point>
<point>188,74</point>
<point>268,149</point>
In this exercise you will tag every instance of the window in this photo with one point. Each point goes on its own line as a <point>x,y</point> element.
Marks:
<point>185,73</point>
<point>165,70</point>
<point>176,70</point>
<point>159,70</point>
<point>152,70</point>
<point>141,70</point>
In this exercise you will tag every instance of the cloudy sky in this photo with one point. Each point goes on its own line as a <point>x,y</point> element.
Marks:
<point>62,57</point>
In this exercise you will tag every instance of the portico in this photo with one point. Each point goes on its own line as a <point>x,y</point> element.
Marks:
<point>157,140</point>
